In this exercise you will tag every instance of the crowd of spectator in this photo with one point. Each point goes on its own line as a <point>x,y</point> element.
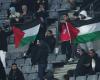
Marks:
<point>24,12</point>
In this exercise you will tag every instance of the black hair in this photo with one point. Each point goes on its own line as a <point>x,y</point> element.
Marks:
<point>92,50</point>
<point>65,14</point>
<point>50,31</point>
<point>76,14</point>
<point>14,64</point>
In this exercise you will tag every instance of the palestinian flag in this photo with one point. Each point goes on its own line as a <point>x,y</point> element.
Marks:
<point>23,37</point>
<point>89,31</point>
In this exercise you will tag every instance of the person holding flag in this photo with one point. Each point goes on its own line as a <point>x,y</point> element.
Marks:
<point>67,33</point>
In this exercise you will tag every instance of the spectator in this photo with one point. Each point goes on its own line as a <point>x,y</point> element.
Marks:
<point>66,77</point>
<point>41,18</point>
<point>39,2</point>
<point>26,14</point>
<point>76,16</point>
<point>76,19</point>
<point>67,33</point>
<point>16,4</point>
<point>14,16</point>
<point>84,64</point>
<point>2,72</point>
<point>95,60</point>
<point>50,40</point>
<point>39,55</point>
<point>15,73</point>
<point>30,4</point>
<point>3,45</point>
<point>84,17</point>
<point>41,14</point>
<point>72,4</point>
<point>36,5</point>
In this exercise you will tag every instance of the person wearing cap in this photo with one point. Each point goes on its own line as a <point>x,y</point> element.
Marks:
<point>3,45</point>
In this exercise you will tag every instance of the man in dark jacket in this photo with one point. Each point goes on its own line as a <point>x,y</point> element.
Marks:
<point>39,55</point>
<point>50,40</point>
<point>3,45</point>
<point>84,65</point>
<point>2,72</point>
<point>15,73</point>
<point>95,60</point>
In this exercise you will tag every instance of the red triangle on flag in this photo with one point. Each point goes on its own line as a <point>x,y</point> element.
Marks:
<point>18,35</point>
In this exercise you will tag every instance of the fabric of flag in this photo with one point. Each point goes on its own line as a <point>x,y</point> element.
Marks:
<point>18,35</point>
<point>26,36</point>
<point>89,31</point>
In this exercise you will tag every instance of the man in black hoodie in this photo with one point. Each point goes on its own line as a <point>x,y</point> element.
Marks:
<point>39,55</point>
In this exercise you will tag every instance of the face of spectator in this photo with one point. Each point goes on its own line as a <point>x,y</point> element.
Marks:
<point>49,33</point>
<point>82,17</point>
<point>41,6</point>
<point>65,17</point>
<point>24,7</point>
<point>12,10</point>
<point>91,53</point>
<point>14,67</point>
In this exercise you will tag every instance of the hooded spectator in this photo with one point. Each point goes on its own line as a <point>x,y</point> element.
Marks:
<point>83,15</point>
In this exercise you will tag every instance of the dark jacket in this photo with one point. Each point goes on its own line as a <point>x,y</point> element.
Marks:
<point>2,72</point>
<point>81,69</point>
<point>3,40</point>
<point>17,75</point>
<point>51,41</point>
<point>97,62</point>
<point>39,53</point>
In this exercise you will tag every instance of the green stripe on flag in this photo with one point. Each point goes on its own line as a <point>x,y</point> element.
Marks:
<point>88,37</point>
<point>27,40</point>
